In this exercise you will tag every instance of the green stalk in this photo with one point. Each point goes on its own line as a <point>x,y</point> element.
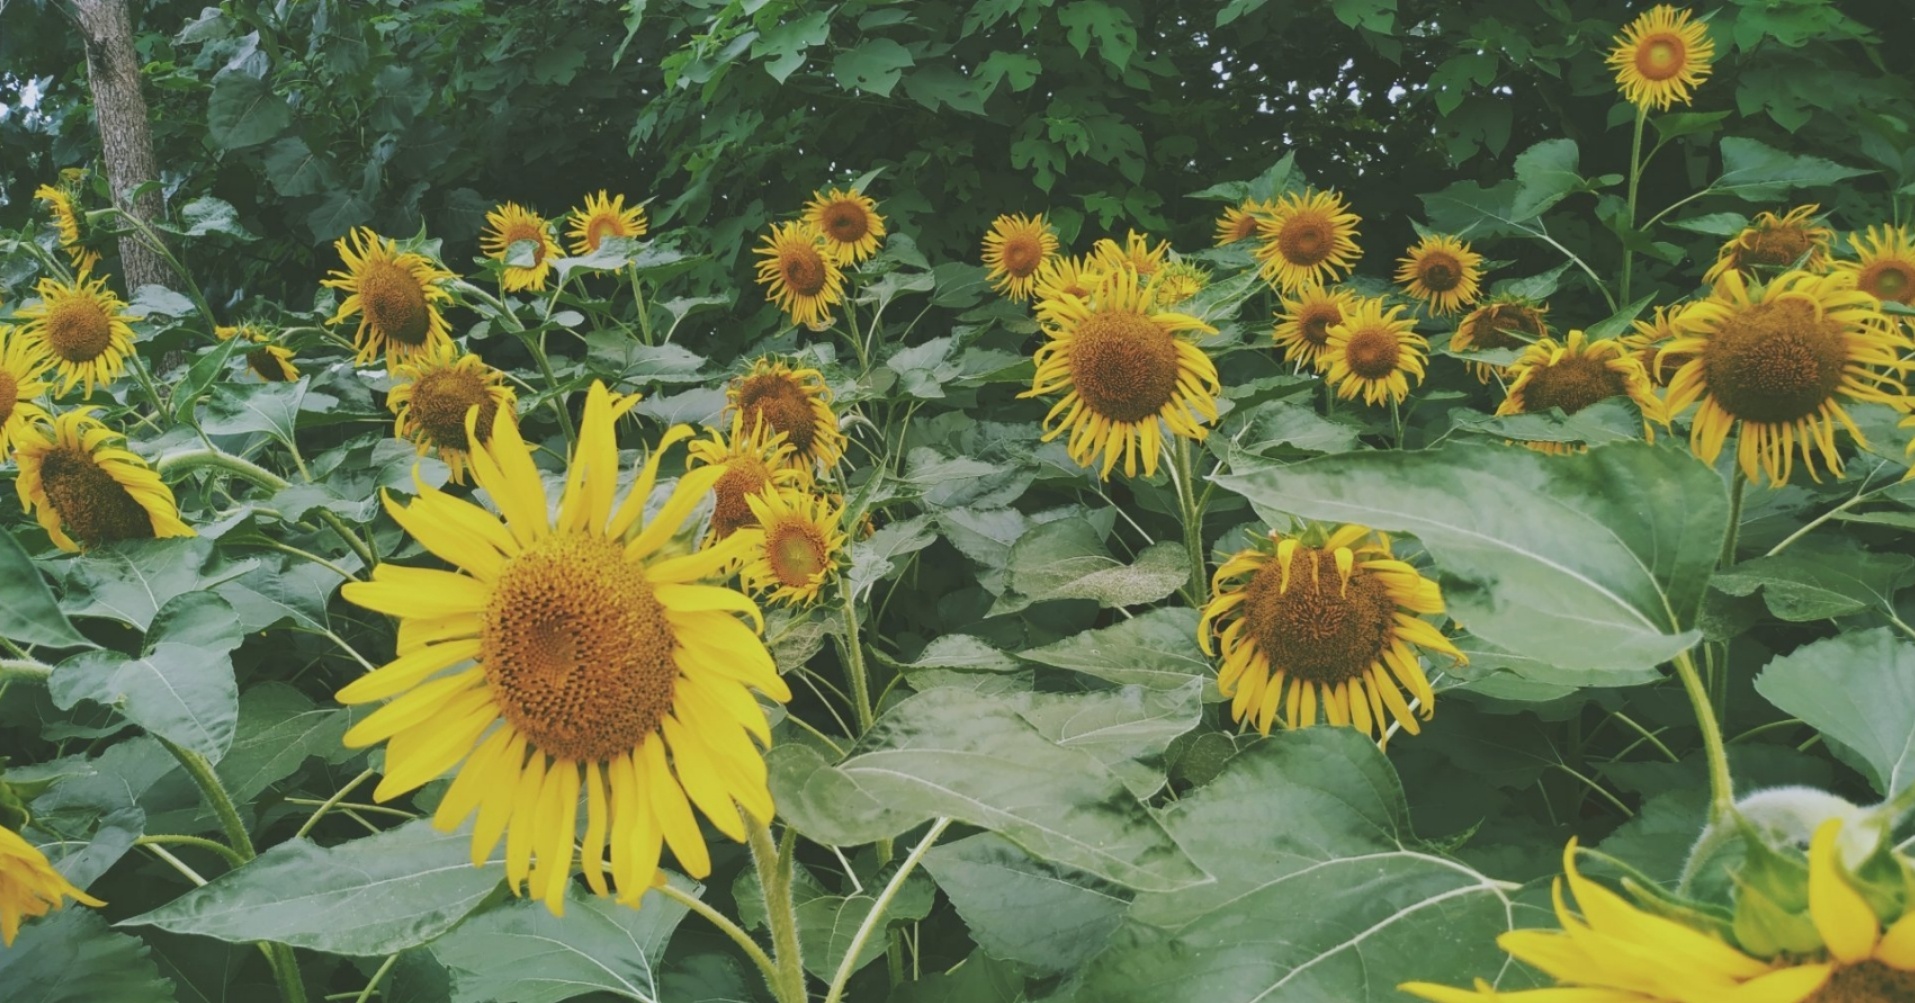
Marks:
<point>1635,179</point>
<point>855,668</point>
<point>1192,513</point>
<point>193,459</point>
<point>876,915</point>
<point>766,967</point>
<point>1738,484</point>
<point>1721,784</point>
<point>24,669</point>
<point>774,879</point>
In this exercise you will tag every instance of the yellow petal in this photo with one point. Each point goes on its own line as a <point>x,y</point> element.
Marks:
<point>407,671</point>
<point>1841,915</point>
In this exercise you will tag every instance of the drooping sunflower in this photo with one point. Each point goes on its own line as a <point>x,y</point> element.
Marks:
<point>71,224</point>
<point>1125,375</point>
<point>1884,264</point>
<point>21,383</point>
<point>29,886</point>
<point>1015,250</point>
<point>1330,619</point>
<point>1503,322</point>
<point>1441,271</point>
<point>431,395</point>
<point>756,458</point>
<point>270,362</point>
<point>567,658</point>
<point>799,274</point>
<point>1135,251</point>
<point>1777,361</point>
<point>1660,56</point>
<point>80,328</point>
<point>1178,282</point>
<point>1573,374</point>
<point>85,488</point>
<point>397,296</point>
<point>1306,239</point>
<point>1304,323</point>
<point>849,221</point>
<point>511,224</point>
<point>803,542</point>
<point>1796,240</point>
<point>1239,222</point>
<point>1647,338</point>
<point>601,217</point>
<point>1375,351</point>
<point>794,403</point>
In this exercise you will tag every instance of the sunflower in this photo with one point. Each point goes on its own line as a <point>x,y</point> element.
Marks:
<point>755,459</point>
<point>29,886</point>
<point>1795,240</point>
<point>603,217</point>
<point>802,544</point>
<point>1647,338</point>
<point>799,274</point>
<point>1306,239</point>
<point>268,361</point>
<point>1374,351</point>
<point>1124,373</point>
<point>794,403</point>
<point>430,405</point>
<point>80,328</point>
<point>1015,249</point>
<point>1660,56</point>
<point>1574,374</point>
<point>1239,222</point>
<point>80,485</point>
<point>1441,271</point>
<point>1304,323</point>
<point>1503,322</point>
<point>1178,282</point>
<point>1135,251</point>
<point>71,224</point>
<point>1865,962</point>
<point>511,224</point>
<point>567,658</point>
<point>1778,360</point>
<point>849,222</point>
<point>397,296</point>
<point>1885,264</point>
<point>21,368</point>
<point>1354,651</point>
<point>1063,276</point>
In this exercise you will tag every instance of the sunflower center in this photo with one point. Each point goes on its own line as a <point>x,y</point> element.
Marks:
<point>266,364</point>
<point>78,330</point>
<point>1661,57</point>
<point>1320,630</point>
<point>803,268</point>
<point>1245,225</point>
<point>600,228</point>
<point>1123,365</point>
<point>1306,239</point>
<point>9,395</point>
<point>777,401</point>
<point>1373,353</point>
<point>1439,271</point>
<point>796,553</point>
<point>1891,281</point>
<point>847,222</point>
<point>394,302</point>
<point>1571,384</point>
<point>1776,247</point>
<point>440,400</point>
<point>1023,254</point>
<point>1868,982</point>
<point>93,507</point>
<point>578,650</point>
<point>1315,321</point>
<point>744,475</point>
<point>1507,325</point>
<point>1775,362</point>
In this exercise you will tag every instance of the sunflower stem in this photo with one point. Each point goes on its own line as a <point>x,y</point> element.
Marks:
<point>766,967</point>
<point>332,802</point>
<point>537,347</point>
<point>1635,179</point>
<point>1721,784</point>
<point>644,311</point>
<point>220,849</point>
<point>774,879</point>
<point>1738,484</point>
<point>141,373</point>
<point>878,908</point>
<point>24,669</point>
<point>193,459</point>
<point>1192,512</point>
<point>854,667</point>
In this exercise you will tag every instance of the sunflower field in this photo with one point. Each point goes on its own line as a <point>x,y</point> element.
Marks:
<point>968,501</point>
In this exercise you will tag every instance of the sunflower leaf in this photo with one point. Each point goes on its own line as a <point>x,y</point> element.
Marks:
<point>180,688</point>
<point>28,612</point>
<point>1156,649</point>
<point>1858,690</point>
<point>72,957</point>
<point>521,952</point>
<point>1023,909</point>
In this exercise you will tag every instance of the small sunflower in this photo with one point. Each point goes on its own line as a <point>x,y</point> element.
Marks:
<point>1015,250</point>
<point>1777,361</point>
<point>1441,271</point>
<point>1795,240</point>
<point>1178,282</point>
<point>1503,322</point>
<point>566,659</point>
<point>86,489</point>
<point>268,361</point>
<point>849,222</point>
<point>1125,374</point>
<point>1336,623</point>
<point>791,402</point>
<point>1647,338</point>
<point>431,395</point>
<point>512,224</point>
<point>603,217</point>
<point>1374,351</point>
<point>1064,276</point>
<point>1660,56</point>
<point>1239,222</point>
<point>71,224</point>
<point>21,370</point>
<point>397,296</point>
<point>29,886</point>
<point>756,459</point>
<point>802,546</point>
<point>1306,240</point>
<point>1884,264</point>
<point>799,274</point>
<point>80,328</point>
<point>1575,373</point>
<point>1135,251</point>
<point>1304,323</point>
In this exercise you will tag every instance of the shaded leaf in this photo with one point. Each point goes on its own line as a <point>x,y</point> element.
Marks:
<point>72,957</point>
<point>1858,689</point>
<point>1157,649</point>
<point>1023,909</point>
<point>521,952</point>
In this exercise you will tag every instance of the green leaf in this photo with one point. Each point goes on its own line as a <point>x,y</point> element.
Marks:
<point>1021,68</point>
<point>1023,909</point>
<point>1670,125</point>
<point>1156,649</point>
<point>131,580</point>
<point>71,957</point>
<point>1108,25</point>
<point>878,557</point>
<point>827,923</point>
<point>1288,422</point>
<point>1821,578</point>
<point>962,653</point>
<point>272,408</point>
<point>1715,224</point>
<point>279,729</point>
<point>783,47</point>
<point>826,805</point>
<point>521,952</point>
<point>243,111</point>
<point>1545,175</point>
<point>181,687</point>
<point>1613,420</point>
<point>28,613</point>
<point>1759,173</point>
<point>1126,729</point>
<point>207,214</point>
<point>294,169</point>
<point>874,65</point>
<point>1858,689</point>
<point>1066,560</point>
<point>924,369</point>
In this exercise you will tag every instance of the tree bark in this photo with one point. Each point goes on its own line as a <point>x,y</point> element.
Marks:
<point>126,140</point>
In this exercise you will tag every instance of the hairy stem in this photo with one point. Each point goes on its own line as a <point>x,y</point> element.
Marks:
<point>1721,784</point>
<point>774,879</point>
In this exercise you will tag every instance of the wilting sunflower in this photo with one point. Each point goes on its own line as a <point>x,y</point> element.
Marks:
<point>1179,281</point>
<point>1374,351</point>
<point>756,458</point>
<point>1441,271</point>
<point>799,275</point>
<point>397,296</point>
<point>1503,322</point>
<point>792,402</point>
<point>1796,240</point>
<point>78,326</point>
<point>431,396</point>
<point>1306,239</point>
<point>1064,276</point>
<point>1885,264</point>
<point>21,369</point>
<point>1660,56</point>
<point>268,361</point>
<point>86,489</point>
<point>513,223</point>
<point>1304,323</point>
<point>1125,374</point>
<point>1777,361</point>
<point>1647,338</point>
<point>1323,619</point>
<point>1135,251</point>
<point>71,224</point>
<point>567,658</point>
<point>1015,249</point>
<point>603,217</point>
<point>802,545</point>
<point>1575,373</point>
<point>1239,222</point>
<point>849,222</point>
<point>29,886</point>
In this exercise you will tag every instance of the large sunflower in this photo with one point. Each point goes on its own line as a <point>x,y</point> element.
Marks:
<point>397,296</point>
<point>1125,374</point>
<point>21,369</point>
<point>803,542</point>
<point>1503,322</point>
<point>756,458</point>
<point>71,224</point>
<point>1660,56</point>
<point>430,399</point>
<point>1304,323</point>
<point>511,224</point>
<point>1306,240</point>
<point>792,402</point>
<point>80,328</point>
<point>1015,250</point>
<point>1374,351</point>
<point>1795,240</point>
<point>29,886</point>
<point>603,217</point>
<point>568,659</point>
<point>799,274</point>
<point>1777,361</point>
<point>270,362</point>
<point>86,489</point>
<point>1135,251</point>
<point>1441,271</point>
<point>849,222</point>
<point>1575,373</point>
<point>1884,264</point>
<point>1239,222</point>
<point>1331,620</point>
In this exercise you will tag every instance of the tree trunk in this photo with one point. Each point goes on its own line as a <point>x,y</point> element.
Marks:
<point>113,70</point>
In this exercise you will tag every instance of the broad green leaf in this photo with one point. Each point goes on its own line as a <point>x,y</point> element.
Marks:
<point>180,687</point>
<point>1686,123</point>
<point>28,613</point>
<point>521,952</point>
<point>295,590</point>
<point>873,65</point>
<point>1821,578</point>
<point>924,369</point>
<point>1106,24</point>
<point>1126,729</point>
<point>783,47</point>
<point>878,557</point>
<point>826,804</point>
<point>637,362</point>
<point>272,408</point>
<point>72,957</point>
<point>1613,420</point>
<point>1066,560</point>
<point>1292,423</point>
<point>1023,909</point>
<point>1545,175</point>
<point>1760,173</point>
<point>206,215</point>
<point>279,729</point>
<point>131,580</point>
<point>1858,689</point>
<point>961,652</point>
<point>294,169</point>
<point>827,923</point>
<point>243,111</point>
<point>1157,649</point>
<point>1715,224</point>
